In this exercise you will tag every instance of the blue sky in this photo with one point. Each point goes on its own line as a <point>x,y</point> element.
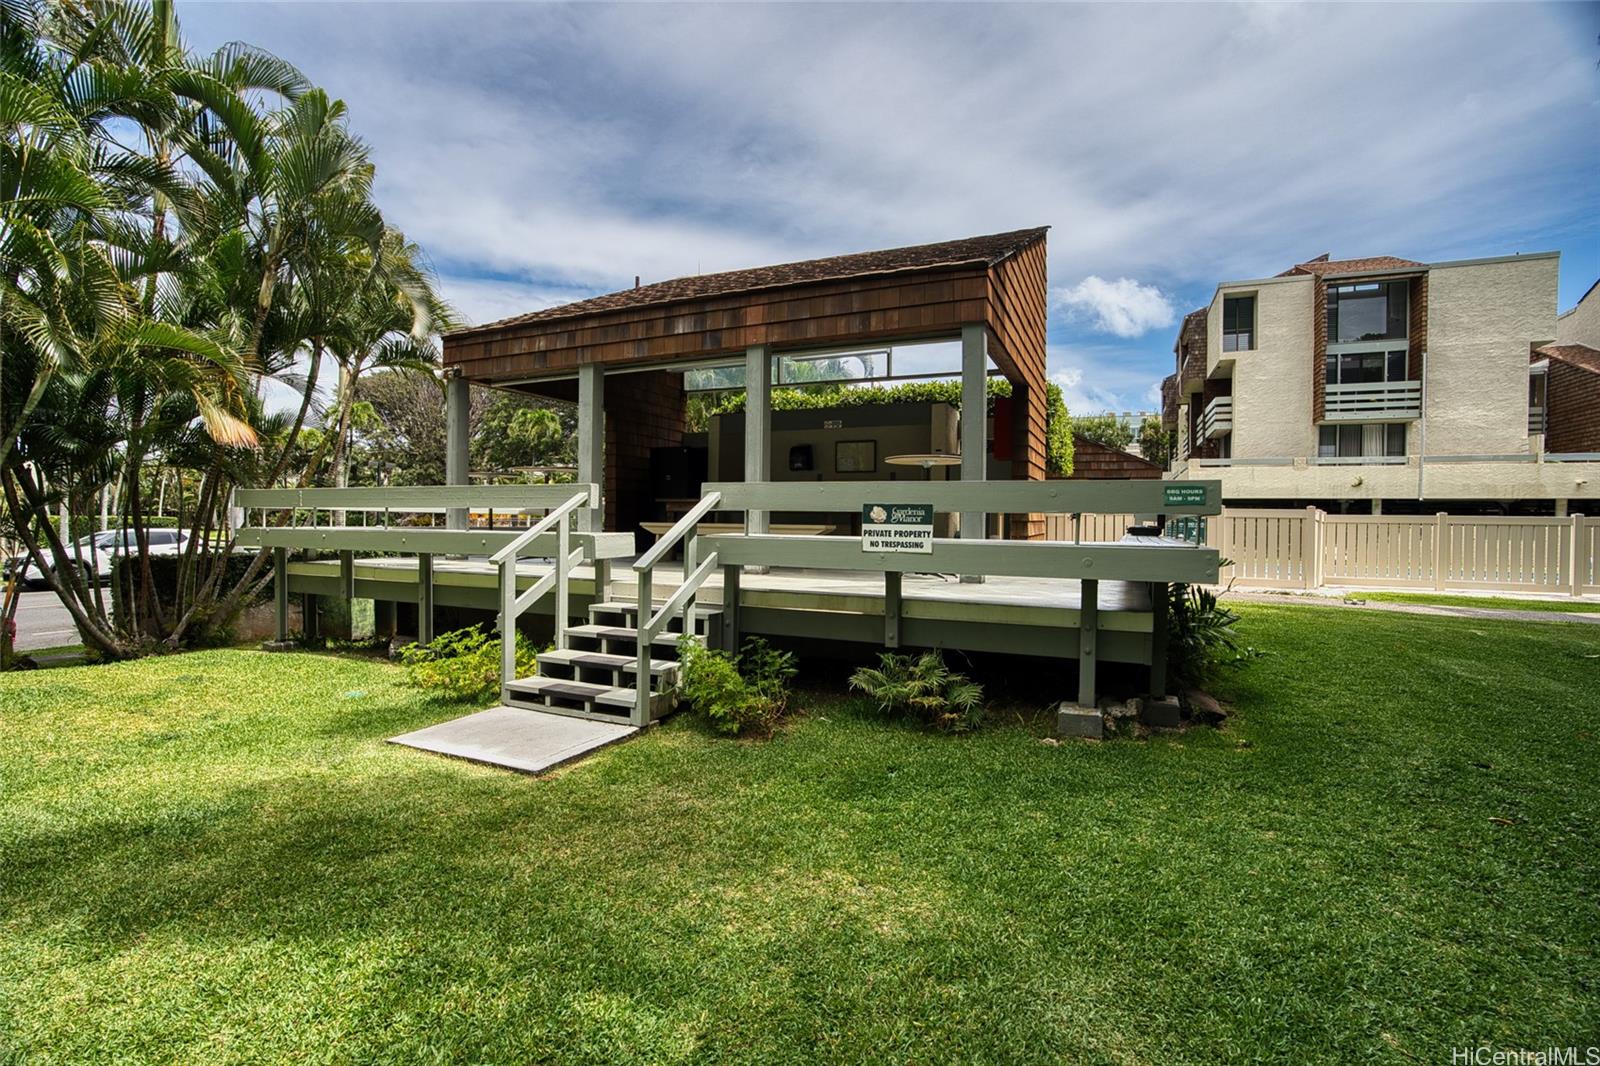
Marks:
<point>542,153</point>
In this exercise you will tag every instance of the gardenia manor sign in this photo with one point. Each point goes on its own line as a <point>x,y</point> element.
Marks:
<point>897,527</point>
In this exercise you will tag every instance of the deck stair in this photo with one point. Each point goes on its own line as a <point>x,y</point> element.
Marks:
<point>596,674</point>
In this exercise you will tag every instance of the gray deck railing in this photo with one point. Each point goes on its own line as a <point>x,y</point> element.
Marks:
<point>1155,564</point>
<point>512,604</point>
<point>303,531</point>
<point>652,622</point>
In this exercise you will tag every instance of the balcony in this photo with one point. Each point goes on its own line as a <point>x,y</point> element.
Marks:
<point>1217,418</point>
<point>1373,401</point>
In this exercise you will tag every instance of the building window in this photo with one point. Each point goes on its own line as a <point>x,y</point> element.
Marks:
<point>1357,368</point>
<point>1368,311</point>
<point>1238,323</point>
<point>1362,440</point>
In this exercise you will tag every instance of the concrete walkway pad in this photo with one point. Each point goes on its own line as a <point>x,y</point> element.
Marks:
<point>518,739</point>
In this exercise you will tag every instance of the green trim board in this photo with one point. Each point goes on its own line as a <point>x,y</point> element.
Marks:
<point>1013,497</point>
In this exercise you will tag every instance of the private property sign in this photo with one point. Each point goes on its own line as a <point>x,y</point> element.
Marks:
<point>897,527</point>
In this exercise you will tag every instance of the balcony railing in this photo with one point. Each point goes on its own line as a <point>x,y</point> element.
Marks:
<point>1217,418</point>
<point>1536,420</point>
<point>1373,401</point>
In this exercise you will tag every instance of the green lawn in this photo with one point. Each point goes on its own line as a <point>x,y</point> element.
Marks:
<point>1496,603</point>
<point>1391,851</point>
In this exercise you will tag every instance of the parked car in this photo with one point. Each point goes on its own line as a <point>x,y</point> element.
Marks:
<point>99,549</point>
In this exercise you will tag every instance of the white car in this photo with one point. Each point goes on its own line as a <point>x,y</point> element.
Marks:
<point>99,549</point>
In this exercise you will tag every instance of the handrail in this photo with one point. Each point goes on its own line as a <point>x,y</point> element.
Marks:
<point>660,548</point>
<point>994,497</point>
<point>412,497</point>
<point>511,605</point>
<point>510,551</point>
<point>651,621</point>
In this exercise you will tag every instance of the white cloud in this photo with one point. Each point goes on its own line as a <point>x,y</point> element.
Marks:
<point>1095,379</point>
<point>576,146</point>
<point>1123,308</point>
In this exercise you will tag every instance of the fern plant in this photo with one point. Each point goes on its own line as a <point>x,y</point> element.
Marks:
<point>1200,635</point>
<point>924,687</point>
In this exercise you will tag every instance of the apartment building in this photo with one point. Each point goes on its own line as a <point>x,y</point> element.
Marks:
<point>1389,385</point>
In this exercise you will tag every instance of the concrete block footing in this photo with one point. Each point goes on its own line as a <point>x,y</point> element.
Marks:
<point>1074,720</point>
<point>280,645</point>
<point>1161,713</point>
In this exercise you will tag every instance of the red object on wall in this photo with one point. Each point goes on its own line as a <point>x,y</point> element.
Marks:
<point>1002,427</point>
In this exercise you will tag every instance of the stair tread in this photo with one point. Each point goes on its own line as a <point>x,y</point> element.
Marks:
<point>580,690</point>
<point>604,659</point>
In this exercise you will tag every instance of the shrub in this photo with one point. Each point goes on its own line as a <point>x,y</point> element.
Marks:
<point>924,688</point>
<point>1200,635</point>
<point>464,664</point>
<point>742,694</point>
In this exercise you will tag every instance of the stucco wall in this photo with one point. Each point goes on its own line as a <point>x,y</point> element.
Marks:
<point>1581,325</point>
<point>1482,317</point>
<point>1525,480</point>
<point>1272,384</point>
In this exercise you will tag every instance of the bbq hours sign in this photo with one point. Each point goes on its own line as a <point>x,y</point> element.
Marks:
<point>897,527</point>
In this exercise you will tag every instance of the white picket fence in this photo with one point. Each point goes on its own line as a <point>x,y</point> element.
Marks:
<point>1308,549</point>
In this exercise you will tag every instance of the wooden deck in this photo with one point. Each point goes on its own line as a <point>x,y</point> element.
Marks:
<point>1033,616</point>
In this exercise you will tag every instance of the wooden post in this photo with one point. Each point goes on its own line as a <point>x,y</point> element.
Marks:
<point>1088,624</point>
<point>592,446</point>
<point>280,592</point>
<point>347,575</point>
<point>974,425</point>
<point>1441,551</point>
<point>563,607</point>
<point>424,598</point>
<point>1158,640</point>
<point>730,607</point>
<point>891,608</point>
<point>645,645</point>
<point>1311,544</point>
<point>602,580</point>
<point>457,442</point>
<point>508,625</point>
<point>1575,562</point>
<point>691,559</point>
<point>757,426</point>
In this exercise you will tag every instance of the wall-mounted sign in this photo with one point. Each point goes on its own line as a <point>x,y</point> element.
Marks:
<point>897,527</point>
<point>1183,495</point>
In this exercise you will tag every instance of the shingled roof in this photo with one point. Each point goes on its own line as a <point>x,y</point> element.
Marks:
<point>1578,355</point>
<point>1322,266</point>
<point>971,251</point>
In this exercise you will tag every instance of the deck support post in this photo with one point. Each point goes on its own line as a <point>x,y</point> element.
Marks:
<point>508,626</point>
<point>974,424</point>
<point>311,617</point>
<point>592,448</point>
<point>457,441</point>
<point>730,607</point>
<point>757,428</point>
<point>280,593</point>
<point>1088,625</point>
<point>1158,640</point>
<point>347,575</point>
<point>891,608</point>
<point>424,598</point>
